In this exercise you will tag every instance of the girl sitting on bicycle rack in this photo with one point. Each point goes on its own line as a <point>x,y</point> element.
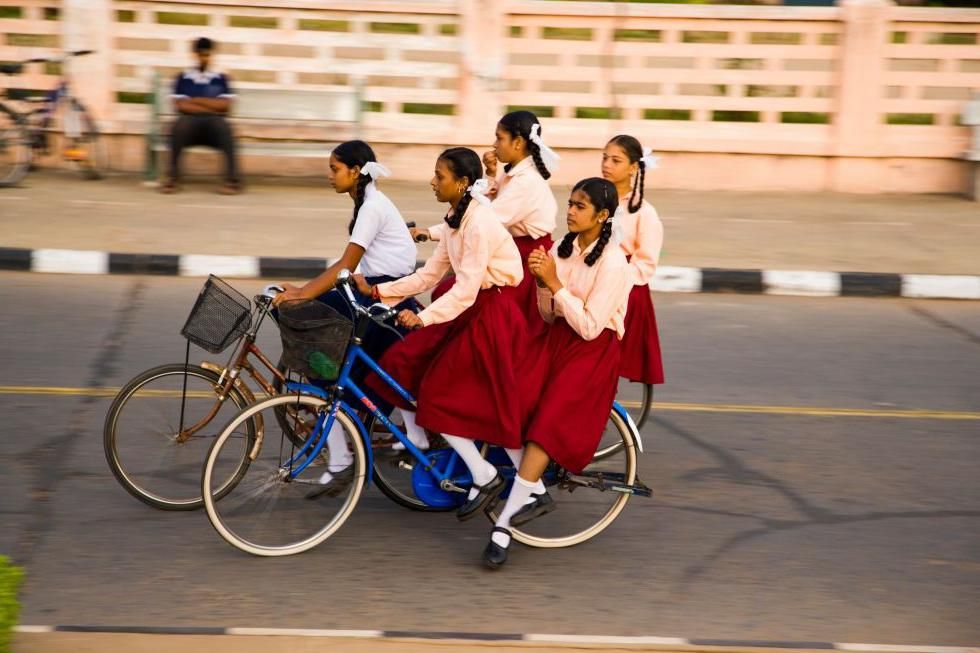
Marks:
<point>624,163</point>
<point>382,248</point>
<point>569,381</point>
<point>521,196</point>
<point>460,364</point>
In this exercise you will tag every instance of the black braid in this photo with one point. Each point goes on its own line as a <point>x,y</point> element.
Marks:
<point>637,192</point>
<point>600,245</point>
<point>565,249</point>
<point>457,215</point>
<point>362,183</point>
<point>538,161</point>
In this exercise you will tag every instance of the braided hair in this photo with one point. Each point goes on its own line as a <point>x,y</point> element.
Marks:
<point>462,163</point>
<point>519,123</point>
<point>634,152</point>
<point>355,153</point>
<point>602,194</point>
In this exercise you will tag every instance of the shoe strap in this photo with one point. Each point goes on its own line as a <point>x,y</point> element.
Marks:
<point>501,529</point>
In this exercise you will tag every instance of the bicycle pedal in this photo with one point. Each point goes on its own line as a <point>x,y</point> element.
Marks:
<point>75,155</point>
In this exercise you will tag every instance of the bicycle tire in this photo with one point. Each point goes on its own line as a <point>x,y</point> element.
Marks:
<point>135,482</point>
<point>639,414</point>
<point>389,485</point>
<point>268,482</point>
<point>525,534</point>
<point>15,141</point>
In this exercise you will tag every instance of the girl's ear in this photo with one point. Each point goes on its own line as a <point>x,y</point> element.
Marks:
<point>603,215</point>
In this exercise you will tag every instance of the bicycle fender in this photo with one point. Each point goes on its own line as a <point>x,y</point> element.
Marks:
<point>630,423</point>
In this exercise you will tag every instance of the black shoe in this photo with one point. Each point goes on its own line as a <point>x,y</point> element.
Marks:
<point>335,486</point>
<point>542,505</point>
<point>487,493</point>
<point>494,556</point>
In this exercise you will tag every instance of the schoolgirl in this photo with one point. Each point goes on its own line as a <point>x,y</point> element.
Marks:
<point>460,363</point>
<point>522,199</point>
<point>381,247</point>
<point>569,381</point>
<point>624,163</point>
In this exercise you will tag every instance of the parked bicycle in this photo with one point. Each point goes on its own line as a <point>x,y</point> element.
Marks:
<point>255,484</point>
<point>26,135</point>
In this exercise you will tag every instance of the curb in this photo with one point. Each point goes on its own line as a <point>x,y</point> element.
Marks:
<point>672,643</point>
<point>667,279</point>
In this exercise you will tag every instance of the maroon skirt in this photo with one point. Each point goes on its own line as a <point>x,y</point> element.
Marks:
<point>525,294</point>
<point>640,359</point>
<point>567,387</point>
<point>463,372</point>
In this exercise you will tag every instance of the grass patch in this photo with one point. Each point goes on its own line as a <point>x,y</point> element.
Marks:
<point>321,25</point>
<point>735,116</point>
<point>10,580</point>
<point>372,106</point>
<point>429,108</point>
<point>181,18</point>
<point>598,113</point>
<point>11,12</point>
<point>648,35</point>
<point>32,40</point>
<point>567,33</point>
<point>540,112</point>
<point>666,114</point>
<point>52,13</point>
<point>254,22</point>
<point>448,29</point>
<point>395,28</point>
<point>125,16</point>
<point>132,97</point>
<point>804,117</point>
<point>910,119</point>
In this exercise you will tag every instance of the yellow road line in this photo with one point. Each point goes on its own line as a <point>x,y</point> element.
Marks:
<point>814,411</point>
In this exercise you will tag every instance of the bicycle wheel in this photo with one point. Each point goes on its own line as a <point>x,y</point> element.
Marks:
<point>393,474</point>
<point>83,146</point>
<point>267,513</point>
<point>587,503</point>
<point>15,148</point>
<point>141,434</point>
<point>636,398</point>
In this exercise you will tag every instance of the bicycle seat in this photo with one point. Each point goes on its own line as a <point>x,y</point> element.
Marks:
<point>11,68</point>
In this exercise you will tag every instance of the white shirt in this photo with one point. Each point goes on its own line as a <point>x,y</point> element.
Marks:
<point>388,246</point>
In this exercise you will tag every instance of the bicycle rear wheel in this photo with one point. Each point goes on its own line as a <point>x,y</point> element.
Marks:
<point>142,427</point>
<point>267,513</point>
<point>636,398</point>
<point>587,503</point>
<point>15,148</point>
<point>82,143</point>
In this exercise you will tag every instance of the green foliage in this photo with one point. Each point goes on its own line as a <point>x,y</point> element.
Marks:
<point>10,579</point>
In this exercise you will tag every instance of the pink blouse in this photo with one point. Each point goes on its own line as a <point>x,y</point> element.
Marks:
<point>592,298</point>
<point>643,237</point>
<point>480,252</point>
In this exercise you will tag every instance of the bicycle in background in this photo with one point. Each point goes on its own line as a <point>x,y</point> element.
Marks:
<point>25,136</point>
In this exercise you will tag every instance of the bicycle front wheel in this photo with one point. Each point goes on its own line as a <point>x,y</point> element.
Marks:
<point>148,438</point>
<point>15,148</point>
<point>272,510</point>
<point>636,398</point>
<point>587,503</point>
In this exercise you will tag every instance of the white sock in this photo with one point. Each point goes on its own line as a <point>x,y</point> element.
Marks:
<point>482,471</point>
<point>520,492</point>
<point>516,456</point>
<point>414,432</point>
<point>340,455</point>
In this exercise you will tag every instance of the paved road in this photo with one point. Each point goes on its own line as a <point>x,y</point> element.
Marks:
<point>805,526</point>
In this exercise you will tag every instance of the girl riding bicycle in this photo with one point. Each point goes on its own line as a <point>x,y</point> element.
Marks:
<point>569,381</point>
<point>460,363</point>
<point>624,163</point>
<point>521,196</point>
<point>381,247</point>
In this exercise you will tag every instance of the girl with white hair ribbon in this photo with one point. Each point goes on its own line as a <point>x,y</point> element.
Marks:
<point>625,163</point>
<point>521,196</point>
<point>381,248</point>
<point>460,364</point>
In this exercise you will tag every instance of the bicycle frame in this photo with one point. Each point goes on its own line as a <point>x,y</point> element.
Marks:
<point>314,444</point>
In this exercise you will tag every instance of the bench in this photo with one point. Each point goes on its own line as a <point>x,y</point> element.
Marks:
<point>266,122</point>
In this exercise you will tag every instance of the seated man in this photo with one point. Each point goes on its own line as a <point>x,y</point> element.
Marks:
<point>203,99</point>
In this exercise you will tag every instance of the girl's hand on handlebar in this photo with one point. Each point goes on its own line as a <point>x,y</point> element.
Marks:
<point>409,320</point>
<point>289,292</point>
<point>362,285</point>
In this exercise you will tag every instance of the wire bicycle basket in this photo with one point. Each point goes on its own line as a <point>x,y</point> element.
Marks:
<point>315,338</point>
<point>220,316</point>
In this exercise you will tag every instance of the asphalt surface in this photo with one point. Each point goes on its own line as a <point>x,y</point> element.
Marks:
<point>773,518</point>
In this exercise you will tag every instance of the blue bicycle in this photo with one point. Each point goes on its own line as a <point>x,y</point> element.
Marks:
<point>267,510</point>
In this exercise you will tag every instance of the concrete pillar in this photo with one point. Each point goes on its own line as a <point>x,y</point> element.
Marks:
<point>482,61</point>
<point>87,25</point>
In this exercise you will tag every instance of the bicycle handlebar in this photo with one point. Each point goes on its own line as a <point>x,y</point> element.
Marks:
<point>67,55</point>
<point>344,281</point>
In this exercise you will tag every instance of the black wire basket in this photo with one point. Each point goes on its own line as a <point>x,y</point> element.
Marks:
<point>315,338</point>
<point>221,315</point>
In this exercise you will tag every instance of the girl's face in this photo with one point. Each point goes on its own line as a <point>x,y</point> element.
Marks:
<point>342,178</point>
<point>616,166</point>
<point>446,186</point>
<point>509,149</point>
<point>582,218</point>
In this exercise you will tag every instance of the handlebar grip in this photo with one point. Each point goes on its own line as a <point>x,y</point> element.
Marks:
<point>79,53</point>
<point>419,238</point>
